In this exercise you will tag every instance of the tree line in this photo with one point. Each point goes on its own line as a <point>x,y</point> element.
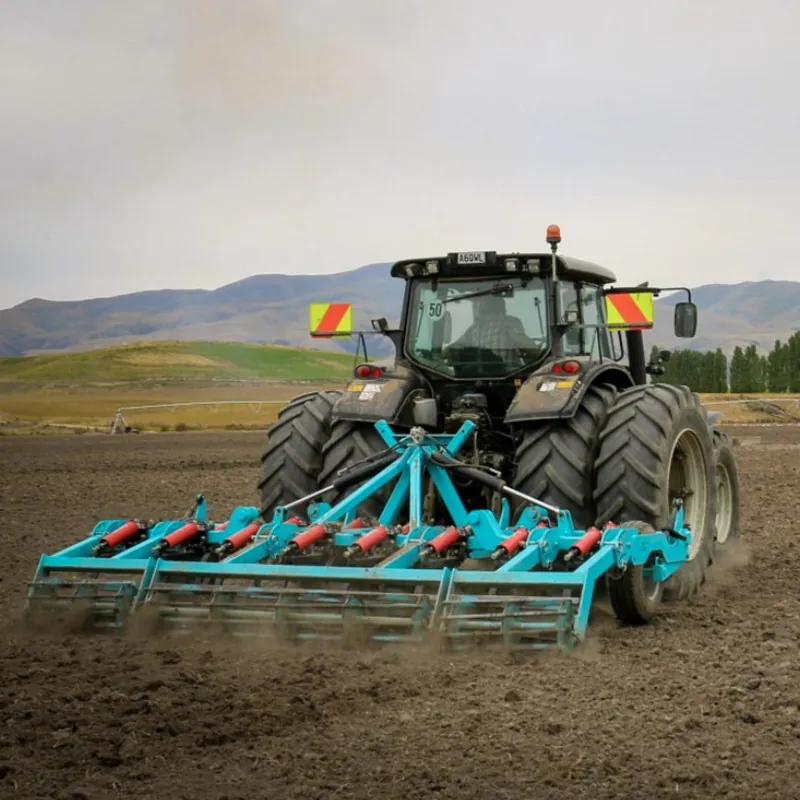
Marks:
<point>746,372</point>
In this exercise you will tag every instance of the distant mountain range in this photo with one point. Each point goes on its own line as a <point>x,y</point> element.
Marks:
<point>273,309</point>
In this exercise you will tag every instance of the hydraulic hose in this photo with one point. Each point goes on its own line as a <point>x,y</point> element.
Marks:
<point>491,481</point>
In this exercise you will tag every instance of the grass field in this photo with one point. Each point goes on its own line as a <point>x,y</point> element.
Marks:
<point>62,408</point>
<point>178,361</point>
<point>82,391</point>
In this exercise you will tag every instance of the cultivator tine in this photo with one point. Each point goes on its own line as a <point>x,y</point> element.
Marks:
<point>104,591</point>
<point>294,603</point>
<point>517,622</point>
<point>479,610</point>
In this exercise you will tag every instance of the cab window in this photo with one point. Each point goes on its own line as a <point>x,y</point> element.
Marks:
<point>571,309</point>
<point>596,341</point>
<point>480,328</point>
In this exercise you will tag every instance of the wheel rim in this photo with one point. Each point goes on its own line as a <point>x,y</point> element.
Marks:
<point>687,479</point>
<point>724,503</point>
<point>652,589</point>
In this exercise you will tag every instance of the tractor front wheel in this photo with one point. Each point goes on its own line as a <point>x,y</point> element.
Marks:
<point>292,462</point>
<point>656,447</point>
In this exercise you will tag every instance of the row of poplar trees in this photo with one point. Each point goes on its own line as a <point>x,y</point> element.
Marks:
<point>747,371</point>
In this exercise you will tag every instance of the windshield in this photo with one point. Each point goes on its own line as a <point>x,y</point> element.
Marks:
<point>478,328</point>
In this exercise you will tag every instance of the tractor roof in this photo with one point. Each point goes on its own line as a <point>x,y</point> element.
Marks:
<point>489,263</point>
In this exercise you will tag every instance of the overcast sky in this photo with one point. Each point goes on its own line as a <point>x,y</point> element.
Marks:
<point>189,143</point>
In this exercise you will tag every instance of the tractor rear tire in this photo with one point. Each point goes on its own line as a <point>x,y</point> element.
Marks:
<point>555,460</point>
<point>656,436</point>
<point>728,523</point>
<point>349,443</point>
<point>292,462</point>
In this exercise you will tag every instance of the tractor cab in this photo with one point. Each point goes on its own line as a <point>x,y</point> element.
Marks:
<point>506,341</point>
<point>491,317</point>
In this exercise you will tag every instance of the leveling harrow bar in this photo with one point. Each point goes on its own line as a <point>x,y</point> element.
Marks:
<point>398,577</point>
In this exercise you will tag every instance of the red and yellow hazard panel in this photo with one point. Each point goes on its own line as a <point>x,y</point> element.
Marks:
<point>330,319</point>
<point>630,312</point>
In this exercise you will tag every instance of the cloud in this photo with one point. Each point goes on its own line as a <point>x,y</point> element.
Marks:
<point>197,142</point>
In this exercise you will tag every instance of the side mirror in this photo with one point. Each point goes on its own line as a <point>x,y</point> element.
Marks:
<point>685,320</point>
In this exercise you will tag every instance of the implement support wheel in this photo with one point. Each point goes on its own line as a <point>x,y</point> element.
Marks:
<point>657,446</point>
<point>634,597</point>
<point>728,492</point>
<point>291,465</point>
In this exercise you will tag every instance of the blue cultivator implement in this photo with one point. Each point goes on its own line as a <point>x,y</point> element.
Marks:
<point>395,578</point>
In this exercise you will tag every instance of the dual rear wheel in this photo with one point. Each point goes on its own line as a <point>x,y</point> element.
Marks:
<point>639,450</point>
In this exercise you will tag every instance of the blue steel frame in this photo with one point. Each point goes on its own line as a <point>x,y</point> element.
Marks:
<point>399,596</point>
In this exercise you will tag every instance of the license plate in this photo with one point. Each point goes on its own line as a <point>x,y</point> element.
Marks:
<point>471,258</point>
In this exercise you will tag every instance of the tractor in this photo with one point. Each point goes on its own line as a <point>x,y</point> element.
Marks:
<point>507,468</point>
<point>523,345</point>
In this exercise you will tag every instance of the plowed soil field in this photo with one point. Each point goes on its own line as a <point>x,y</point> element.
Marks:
<point>705,702</point>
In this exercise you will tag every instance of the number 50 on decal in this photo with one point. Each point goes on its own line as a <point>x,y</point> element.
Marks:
<point>435,309</point>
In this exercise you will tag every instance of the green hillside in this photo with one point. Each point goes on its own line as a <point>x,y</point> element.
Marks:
<point>179,360</point>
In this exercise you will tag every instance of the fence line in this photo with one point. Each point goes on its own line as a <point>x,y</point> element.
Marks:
<point>282,402</point>
<point>203,403</point>
<point>119,425</point>
<point>795,400</point>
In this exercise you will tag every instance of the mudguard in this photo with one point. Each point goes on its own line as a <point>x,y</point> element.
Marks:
<point>381,398</point>
<point>548,396</point>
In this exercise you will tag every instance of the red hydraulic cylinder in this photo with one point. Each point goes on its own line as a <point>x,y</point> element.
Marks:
<point>514,542</point>
<point>587,542</point>
<point>308,537</point>
<point>371,539</point>
<point>221,525</point>
<point>445,539</point>
<point>182,534</point>
<point>356,524</point>
<point>242,537</point>
<point>121,534</point>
